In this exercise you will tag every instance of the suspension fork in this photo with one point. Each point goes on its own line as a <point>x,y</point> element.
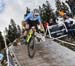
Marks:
<point>29,36</point>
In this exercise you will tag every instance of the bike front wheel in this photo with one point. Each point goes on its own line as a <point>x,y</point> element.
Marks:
<point>31,47</point>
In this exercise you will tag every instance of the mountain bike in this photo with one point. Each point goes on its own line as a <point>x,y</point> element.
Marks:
<point>31,40</point>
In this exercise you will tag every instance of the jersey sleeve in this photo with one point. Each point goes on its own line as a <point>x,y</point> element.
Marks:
<point>27,17</point>
<point>39,19</point>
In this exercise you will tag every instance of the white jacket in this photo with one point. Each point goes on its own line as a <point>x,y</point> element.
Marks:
<point>60,21</point>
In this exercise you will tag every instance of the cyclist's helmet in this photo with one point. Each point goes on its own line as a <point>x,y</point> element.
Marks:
<point>36,12</point>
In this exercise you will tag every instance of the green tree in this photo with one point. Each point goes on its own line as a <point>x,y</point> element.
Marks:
<point>12,31</point>
<point>58,4</point>
<point>6,35</point>
<point>2,44</point>
<point>61,6</point>
<point>65,8</point>
<point>46,12</point>
<point>71,4</point>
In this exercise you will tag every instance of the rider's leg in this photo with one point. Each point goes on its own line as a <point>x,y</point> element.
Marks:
<point>26,30</point>
<point>24,34</point>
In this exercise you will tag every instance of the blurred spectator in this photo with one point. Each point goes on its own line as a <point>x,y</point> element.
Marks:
<point>46,24</point>
<point>61,13</point>
<point>51,22</point>
<point>60,22</point>
<point>1,57</point>
<point>69,25</point>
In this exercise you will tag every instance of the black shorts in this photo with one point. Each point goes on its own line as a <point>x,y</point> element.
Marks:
<point>33,23</point>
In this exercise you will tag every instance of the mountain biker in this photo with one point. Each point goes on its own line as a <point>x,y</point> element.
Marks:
<point>34,19</point>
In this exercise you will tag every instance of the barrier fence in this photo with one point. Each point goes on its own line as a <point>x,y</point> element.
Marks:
<point>48,30</point>
<point>11,57</point>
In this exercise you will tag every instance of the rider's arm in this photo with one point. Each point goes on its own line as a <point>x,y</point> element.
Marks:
<point>27,17</point>
<point>39,19</point>
<point>40,22</point>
